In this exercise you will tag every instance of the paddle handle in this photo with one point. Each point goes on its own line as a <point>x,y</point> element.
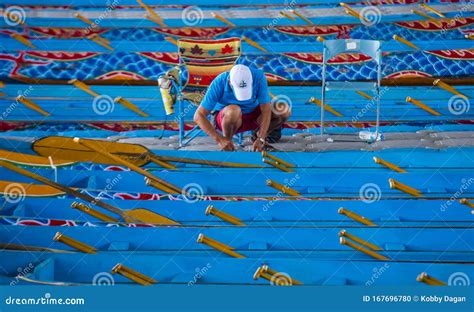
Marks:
<point>204,162</point>
<point>61,187</point>
<point>127,164</point>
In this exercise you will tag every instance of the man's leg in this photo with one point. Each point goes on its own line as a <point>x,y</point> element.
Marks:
<point>231,120</point>
<point>276,123</point>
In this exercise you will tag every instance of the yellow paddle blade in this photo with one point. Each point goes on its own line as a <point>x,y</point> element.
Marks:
<point>32,160</point>
<point>19,190</point>
<point>66,148</point>
<point>146,216</point>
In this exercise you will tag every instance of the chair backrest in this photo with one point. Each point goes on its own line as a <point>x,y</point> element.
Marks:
<point>206,59</point>
<point>368,47</point>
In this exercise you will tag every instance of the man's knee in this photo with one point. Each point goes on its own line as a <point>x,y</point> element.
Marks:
<point>231,113</point>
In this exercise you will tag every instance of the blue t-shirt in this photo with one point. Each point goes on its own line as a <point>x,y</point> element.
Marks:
<point>220,93</point>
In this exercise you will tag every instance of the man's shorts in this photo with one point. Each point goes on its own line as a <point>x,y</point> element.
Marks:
<point>249,121</point>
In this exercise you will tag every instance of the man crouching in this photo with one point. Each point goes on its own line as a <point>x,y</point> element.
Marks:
<point>242,99</point>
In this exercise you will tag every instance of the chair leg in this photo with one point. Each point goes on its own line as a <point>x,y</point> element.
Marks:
<point>323,94</point>
<point>180,122</point>
<point>240,138</point>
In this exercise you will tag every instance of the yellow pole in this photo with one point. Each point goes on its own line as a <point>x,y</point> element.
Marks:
<point>276,165</point>
<point>156,17</point>
<point>364,95</point>
<point>425,278</point>
<point>353,12</point>
<point>356,217</point>
<point>222,215</point>
<point>254,44</point>
<point>223,19</point>
<point>133,275</point>
<point>84,19</point>
<point>82,86</point>
<point>282,188</point>
<point>466,202</point>
<point>92,212</point>
<point>302,17</point>
<point>369,252</point>
<point>423,14</point>
<point>422,106</point>
<point>344,233</point>
<point>267,269</point>
<point>23,40</point>
<point>327,107</point>
<point>388,164</point>
<point>432,10</point>
<point>445,86</point>
<point>31,105</point>
<point>394,184</point>
<point>172,40</point>
<point>153,18</point>
<point>99,40</point>
<point>260,273</point>
<point>283,13</point>
<point>404,41</point>
<point>59,237</point>
<point>130,106</point>
<point>278,160</point>
<point>218,246</point>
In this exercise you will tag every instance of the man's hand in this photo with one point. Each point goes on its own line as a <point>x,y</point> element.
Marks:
<point>226,144</point>
<point>258,145</point>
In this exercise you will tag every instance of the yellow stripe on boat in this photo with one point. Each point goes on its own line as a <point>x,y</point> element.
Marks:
<point>32,160</point>
<point>9,188</point>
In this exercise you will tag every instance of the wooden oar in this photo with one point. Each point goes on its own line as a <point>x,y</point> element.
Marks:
<point>161,184</point>
<point>205,162</point>
<point>139,214</point>
<point>65,148</point>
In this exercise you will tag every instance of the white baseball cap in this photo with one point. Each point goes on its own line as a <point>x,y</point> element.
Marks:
<point>241,81</point>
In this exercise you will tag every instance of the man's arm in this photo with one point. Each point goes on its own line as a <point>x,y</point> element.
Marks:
<point>200,118</point>
<point>266,111</point>
<point>265,117</point>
